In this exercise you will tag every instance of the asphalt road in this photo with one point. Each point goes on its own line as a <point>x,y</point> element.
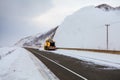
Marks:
<point>67,68</point>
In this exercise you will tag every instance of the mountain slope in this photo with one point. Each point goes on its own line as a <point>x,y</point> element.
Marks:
<point>36,40</point>
<point>107,7</point>
<point>86,29</point>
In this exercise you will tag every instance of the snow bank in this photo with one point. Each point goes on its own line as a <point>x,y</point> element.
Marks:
<point>86,29</point>
<point>20,64</point>
<point>110,60</point>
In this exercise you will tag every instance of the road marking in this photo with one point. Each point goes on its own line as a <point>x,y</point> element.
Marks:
<point>47,74</point>
<point>62,66</point>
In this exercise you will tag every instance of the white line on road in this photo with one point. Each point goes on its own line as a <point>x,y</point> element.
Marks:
<point>63,66</point>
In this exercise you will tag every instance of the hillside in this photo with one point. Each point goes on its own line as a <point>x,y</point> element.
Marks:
<point>86,28</point>
<point>36,40</point>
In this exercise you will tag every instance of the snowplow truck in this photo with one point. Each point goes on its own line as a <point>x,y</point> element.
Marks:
<point>49,45</point>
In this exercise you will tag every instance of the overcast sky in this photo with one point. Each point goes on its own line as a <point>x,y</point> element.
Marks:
<point>20,18</point>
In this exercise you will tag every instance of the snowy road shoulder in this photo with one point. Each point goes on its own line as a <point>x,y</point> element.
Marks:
<point>20,65</point>
<point>110,60</point>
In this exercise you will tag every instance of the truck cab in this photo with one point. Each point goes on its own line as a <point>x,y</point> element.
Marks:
<point>49,45</point>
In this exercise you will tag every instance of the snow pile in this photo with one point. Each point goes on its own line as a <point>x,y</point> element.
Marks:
<point>19,64</point>
<point>112,61</point>
<point>86,29</point>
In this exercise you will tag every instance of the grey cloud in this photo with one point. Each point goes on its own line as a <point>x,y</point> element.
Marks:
<point>24,7</point>
<point>14,12</point>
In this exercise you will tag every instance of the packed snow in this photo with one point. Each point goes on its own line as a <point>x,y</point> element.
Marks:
<point>19,64</point>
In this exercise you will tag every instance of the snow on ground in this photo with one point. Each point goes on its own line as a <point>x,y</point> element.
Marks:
<point>110,60</point>
<point>19,64</point>
<point>83,30</point>
<point>86,29</point>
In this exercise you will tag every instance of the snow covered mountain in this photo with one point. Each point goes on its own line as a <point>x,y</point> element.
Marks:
<point>86,28</point>
<point>107,7</point>
<point>36,40</point>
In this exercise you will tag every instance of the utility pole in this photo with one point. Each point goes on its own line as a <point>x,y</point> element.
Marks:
<point>107,37</point>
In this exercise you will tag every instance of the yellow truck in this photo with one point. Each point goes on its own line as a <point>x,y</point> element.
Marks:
<point>49,45</point>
